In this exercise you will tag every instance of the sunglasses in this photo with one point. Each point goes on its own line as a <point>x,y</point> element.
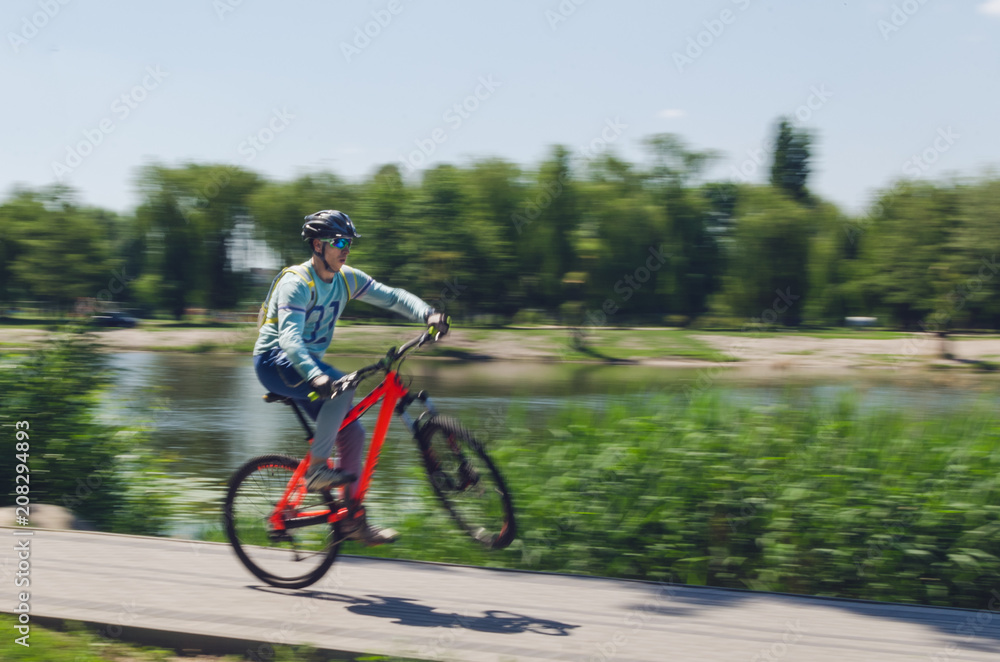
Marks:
<point>340,243</point>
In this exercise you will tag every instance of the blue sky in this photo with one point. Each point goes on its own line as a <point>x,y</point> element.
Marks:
<point>95,89</point>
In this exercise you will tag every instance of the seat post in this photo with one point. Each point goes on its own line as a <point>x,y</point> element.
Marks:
<point>301,417</point>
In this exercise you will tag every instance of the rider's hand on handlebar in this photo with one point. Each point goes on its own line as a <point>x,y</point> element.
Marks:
<point>438,325</point>
<point>322,385</point>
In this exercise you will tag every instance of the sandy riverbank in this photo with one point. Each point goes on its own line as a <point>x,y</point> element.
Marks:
<point>790,351</point>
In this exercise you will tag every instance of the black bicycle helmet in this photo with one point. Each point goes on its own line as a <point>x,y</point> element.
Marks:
<point>328,223</point>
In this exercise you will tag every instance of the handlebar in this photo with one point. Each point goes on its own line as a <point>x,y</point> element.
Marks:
<point>385,364</point>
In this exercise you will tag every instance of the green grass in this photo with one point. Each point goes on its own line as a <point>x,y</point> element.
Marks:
<point>837,334</point>
<point>662,345</point>
<point>810,498</point>
<point>206,347</point>
<point>683,344</point>
<point>75,642</point>
<point>7,324</point>
<point>609,344</point>
<point>554,344</point>
<point>159,325</point>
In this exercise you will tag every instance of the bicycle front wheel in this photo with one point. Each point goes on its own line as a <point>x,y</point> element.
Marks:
<point>295,557</point>
<point>467,481</point>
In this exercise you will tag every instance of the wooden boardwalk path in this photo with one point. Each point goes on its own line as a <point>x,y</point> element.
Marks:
<point>443,612</point>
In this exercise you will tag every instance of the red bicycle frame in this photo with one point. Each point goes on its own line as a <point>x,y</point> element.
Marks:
<point>390,390</point>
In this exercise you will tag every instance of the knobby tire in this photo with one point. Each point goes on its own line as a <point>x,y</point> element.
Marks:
<point>467,481</point>
<point>254,490</point>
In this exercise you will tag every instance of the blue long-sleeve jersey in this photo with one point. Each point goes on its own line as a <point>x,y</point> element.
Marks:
<point>303,310</point>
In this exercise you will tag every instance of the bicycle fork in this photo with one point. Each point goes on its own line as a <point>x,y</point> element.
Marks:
<point>406,401</point>
<point>466,472</point>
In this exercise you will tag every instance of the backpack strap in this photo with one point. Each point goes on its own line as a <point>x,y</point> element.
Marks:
<point>346,284</point>
<point>352,292</point>
<point>262,317</point>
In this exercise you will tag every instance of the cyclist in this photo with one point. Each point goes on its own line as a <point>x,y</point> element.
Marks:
<point>296,327</point>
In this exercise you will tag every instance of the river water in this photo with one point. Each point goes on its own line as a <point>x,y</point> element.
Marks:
<point>204,412</point>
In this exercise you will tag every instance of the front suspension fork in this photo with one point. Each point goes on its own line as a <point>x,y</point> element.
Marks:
<point>406,401</point>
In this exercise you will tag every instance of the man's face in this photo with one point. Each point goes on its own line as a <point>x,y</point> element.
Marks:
<point>335,257</point>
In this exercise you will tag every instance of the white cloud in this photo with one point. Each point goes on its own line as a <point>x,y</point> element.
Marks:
<point>671,113</point>
<point>991,7</point>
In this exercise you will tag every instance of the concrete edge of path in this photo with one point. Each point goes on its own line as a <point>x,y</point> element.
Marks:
<point>185,643</point>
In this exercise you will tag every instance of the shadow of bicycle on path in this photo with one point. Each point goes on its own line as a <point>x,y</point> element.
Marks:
<point>408,611</point>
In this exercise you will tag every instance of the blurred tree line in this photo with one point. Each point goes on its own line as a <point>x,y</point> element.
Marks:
<point>600,241</point>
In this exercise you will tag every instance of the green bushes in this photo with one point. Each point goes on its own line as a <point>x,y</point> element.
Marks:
<point>825,500</point>
<point>75,460</point>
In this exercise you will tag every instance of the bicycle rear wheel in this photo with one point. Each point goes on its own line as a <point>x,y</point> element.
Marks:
<point>467,481</point>
<point>295,557</point>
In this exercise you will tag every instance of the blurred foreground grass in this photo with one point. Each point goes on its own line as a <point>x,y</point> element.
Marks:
<point>822,499</point>
<point>75,642</point>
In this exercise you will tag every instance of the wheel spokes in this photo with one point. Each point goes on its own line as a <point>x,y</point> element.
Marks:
<point>287,556</point>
